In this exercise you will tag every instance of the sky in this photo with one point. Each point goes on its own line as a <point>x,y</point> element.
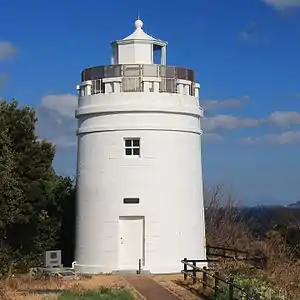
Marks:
<point>245,54</point>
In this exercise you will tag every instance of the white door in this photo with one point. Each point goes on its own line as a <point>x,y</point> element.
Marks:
<point>131,231</point>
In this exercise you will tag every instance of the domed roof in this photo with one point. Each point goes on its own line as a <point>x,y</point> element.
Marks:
<point>139,33</point>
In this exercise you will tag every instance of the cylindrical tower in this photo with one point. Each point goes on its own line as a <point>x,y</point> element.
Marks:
<point>139,171</point>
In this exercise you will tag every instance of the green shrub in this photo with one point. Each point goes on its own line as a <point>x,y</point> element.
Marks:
<point>253,286</point>
<point>104,293</point>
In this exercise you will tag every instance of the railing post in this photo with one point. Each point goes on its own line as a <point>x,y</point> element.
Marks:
<point>204,278</point>
<point>230,288</point>
<point>194,272</point>
<point>216,283</point>
<point>185,268</point>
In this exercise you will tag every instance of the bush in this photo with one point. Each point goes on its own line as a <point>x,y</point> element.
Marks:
<point>254,287</point>
<point>225,227</point>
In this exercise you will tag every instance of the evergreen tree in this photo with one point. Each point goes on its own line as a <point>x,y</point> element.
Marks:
<point>32,196</point>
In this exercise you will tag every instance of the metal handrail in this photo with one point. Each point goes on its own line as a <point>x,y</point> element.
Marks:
<point>137,70</point>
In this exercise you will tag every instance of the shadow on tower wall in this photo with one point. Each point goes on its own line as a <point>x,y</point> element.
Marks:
<point>67,232</point>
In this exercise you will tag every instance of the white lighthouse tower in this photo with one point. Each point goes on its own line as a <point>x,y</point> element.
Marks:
<point>139,171</point>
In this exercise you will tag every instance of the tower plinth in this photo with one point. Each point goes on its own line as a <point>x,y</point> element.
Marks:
<point>139,169</point>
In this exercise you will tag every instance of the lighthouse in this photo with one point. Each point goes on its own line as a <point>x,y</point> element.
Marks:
<point>139,169</point>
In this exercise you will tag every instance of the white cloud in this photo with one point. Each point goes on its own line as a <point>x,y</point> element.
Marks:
<point>228,122</point>
<point>64,104</point>
<point>284,118</point>
<point>250,140</point>
<point>282,4</point>
<point>7,50</point>
<point>287,137</point>
<point>246,35</point>
<point>65,141</point>
<point>227,103</point>
<point>56,119</point>
<point>213,137</point>
<point>283,138</point>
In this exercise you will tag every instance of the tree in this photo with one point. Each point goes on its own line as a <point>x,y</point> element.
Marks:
<point>31,194</point>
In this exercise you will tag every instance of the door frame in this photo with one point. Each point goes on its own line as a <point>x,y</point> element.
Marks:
<point>133,217</point>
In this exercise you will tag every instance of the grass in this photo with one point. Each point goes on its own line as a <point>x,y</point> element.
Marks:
<point>104,293</point>
<point>22,288</point>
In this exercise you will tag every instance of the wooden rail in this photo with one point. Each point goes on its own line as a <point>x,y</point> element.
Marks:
<point>190,269</point>
<point>256,259</point>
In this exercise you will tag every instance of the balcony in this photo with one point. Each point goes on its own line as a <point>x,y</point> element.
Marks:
<point>138,78</point>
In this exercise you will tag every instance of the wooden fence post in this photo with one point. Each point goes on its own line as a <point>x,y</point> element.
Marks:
<point>231,288</point>
<point>224,252</point>
<point>194,272</point>
<point>216,283</point>
<point>185,268</point>
<point>204,278</point>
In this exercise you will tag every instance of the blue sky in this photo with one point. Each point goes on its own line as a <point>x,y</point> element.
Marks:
<point>245,53</point>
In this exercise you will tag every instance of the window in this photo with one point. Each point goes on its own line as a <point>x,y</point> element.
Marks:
<point>131,200</point>
<point>132,147</point>
<point>157,54</point>
<point>53,255</point>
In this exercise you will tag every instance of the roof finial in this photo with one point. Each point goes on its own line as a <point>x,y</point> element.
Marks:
<point>138,23</point>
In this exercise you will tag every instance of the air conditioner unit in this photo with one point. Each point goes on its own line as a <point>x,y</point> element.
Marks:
<point>53,259</point>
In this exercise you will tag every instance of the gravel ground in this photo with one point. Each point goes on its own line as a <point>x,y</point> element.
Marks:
<point>172,283</point>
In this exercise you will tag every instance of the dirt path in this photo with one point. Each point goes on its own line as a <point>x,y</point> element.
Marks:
<point>150,289</point>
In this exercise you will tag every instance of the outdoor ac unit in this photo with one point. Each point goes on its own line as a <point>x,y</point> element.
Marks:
<point>53,259</point>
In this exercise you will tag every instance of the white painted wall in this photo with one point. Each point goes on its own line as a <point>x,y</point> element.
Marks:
<point>136,53</point>
<point>167,178</point>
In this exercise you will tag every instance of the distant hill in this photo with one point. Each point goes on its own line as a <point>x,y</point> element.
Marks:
<point>264,218</point>
<point>295,205</point>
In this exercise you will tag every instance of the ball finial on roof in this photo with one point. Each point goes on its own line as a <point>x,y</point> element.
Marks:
<point>138,24</point>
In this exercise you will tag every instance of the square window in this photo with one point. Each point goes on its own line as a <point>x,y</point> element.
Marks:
<point>132,146</point>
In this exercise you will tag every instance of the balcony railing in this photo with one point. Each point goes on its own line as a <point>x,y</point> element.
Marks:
<point>137,70</point>
<point>138,78</point>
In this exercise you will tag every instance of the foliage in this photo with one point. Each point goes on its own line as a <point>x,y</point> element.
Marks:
<point>227,227</point>
<point>32,196</point>
<point>103,293</point>
<point>253,286</point>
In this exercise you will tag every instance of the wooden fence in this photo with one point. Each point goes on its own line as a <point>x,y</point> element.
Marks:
<point>256,259</point>
<point>213,281</point>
